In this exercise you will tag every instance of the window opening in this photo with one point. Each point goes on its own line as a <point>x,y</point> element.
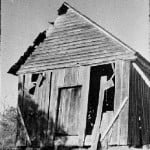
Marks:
<point>94,88</point>
<point>32,90</point>
<point>34,77</point>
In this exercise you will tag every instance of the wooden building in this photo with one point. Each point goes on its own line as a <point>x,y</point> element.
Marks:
<point>82,88</point>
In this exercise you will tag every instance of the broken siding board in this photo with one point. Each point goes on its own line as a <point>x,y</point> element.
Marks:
<point>35,112</point>
<point>27,84</point>
<point>36,93</point>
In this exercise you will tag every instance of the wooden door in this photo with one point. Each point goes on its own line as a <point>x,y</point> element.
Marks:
<point>68,107</point>
<point>68,111</point>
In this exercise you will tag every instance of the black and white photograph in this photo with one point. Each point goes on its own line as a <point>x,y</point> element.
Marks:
<point>75,75</point>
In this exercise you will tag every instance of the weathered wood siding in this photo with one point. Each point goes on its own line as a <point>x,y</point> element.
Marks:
<point>139,110</point>
<point>34,108</point>
<point>119,133</point>
<point>74,40</point>
<point>70,87</point>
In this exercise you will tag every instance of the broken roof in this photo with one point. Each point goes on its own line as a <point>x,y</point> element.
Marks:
<point>72,40</point>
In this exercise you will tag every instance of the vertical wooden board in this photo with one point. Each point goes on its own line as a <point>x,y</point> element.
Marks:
<point>44,93</point>
<point>48,90</point>
<point>52,108</point>
<point>57,82</point>
<point>64,103</point>
<point>71,76</point>
<point>120,128</point>
<point>47,106</point>
<point>106,119</point>
<point>123,118</point>
<point>40,98</point>
<point>144,95</point>
<point>84,78</point>
<point>36,93</point>
<point>20,136</point>
<point>27,84</point>
<point>135,103</point>
<point>20,91</point>
<point>68,110</point>
<point>118,96</point>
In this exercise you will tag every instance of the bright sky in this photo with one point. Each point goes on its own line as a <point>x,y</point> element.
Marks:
<point>22,20</point>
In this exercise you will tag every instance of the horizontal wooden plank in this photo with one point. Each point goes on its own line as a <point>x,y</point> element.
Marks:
<point>89,61</point>
<point>72,39</point>
<point>71,48</point>
<point>64,34</point>
<point>84,51</point>
<point>76,58</point>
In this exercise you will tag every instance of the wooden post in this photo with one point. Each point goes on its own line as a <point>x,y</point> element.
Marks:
<point>114,119</point>
<point>96,128</point>
<point>25,129</point>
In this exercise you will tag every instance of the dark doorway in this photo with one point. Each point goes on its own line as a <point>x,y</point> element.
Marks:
<point>108,104</point>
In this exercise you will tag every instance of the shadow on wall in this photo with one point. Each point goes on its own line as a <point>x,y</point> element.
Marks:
<point>34,123</point>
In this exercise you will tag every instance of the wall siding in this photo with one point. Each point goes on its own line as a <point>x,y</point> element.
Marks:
<point>119,131</point>
<point>139,107</point>
<point>34,108</point>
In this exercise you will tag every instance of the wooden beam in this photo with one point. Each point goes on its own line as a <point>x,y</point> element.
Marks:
<point>96,128</point>
<point>114,119</point>
<point>25,129</point>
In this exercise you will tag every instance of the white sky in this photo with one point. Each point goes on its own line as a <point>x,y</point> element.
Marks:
<point>22,20</point>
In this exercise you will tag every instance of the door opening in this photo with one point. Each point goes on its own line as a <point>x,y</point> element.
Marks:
<point>108,103</point>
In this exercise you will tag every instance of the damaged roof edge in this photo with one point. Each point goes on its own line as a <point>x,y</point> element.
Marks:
<point>100,28</point>
<point>39,39</point>
<point>62,10</point>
